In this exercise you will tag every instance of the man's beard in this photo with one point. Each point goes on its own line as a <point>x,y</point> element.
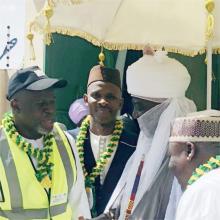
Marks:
<point>42,130</point>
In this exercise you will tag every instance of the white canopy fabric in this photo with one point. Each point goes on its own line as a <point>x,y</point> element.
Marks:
<point>188,27</point>
<point>39,4</point>
<point>177,25</point>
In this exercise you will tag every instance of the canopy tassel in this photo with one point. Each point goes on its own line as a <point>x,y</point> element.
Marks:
<point>48,13</point>
<point>210,5</point>
<point>101,57</point>
<point>30,37</point>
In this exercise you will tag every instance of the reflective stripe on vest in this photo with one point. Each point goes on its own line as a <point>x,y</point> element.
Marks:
<point>64,155</point>
<point>11,174</point>
<point>23,214</point>
<point>58,209</point>
<point>17,212</point>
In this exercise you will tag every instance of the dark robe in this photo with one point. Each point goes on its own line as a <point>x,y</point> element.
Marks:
<point>126,147</point>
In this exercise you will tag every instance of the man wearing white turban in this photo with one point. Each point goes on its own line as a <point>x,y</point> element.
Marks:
<point>147,189</point>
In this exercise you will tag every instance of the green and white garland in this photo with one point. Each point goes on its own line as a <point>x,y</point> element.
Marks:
<point>103,158</point>
<point>44,167</point>
<point>211,164</point>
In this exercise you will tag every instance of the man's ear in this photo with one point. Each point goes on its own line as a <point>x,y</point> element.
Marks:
<point>15,106</point>
<point>85,97</point>
<point>191,150</point>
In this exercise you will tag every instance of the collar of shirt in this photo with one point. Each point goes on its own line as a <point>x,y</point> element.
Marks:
<point>98,145</point>
<point>38,143</point>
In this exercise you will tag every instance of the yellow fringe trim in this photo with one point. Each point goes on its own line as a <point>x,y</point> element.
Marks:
<point>122,46</point>
<point>65,2</point>
<point>216,50</point>
<point>118,46</point>
<point>209,5</point>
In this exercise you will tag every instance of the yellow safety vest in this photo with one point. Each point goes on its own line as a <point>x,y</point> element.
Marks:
<point>21,195</point>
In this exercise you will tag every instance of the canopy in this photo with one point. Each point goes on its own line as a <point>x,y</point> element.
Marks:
<point>189,27</point>
<point>181,26</point>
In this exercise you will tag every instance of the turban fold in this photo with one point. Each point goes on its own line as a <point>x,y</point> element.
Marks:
<point>157,76</point>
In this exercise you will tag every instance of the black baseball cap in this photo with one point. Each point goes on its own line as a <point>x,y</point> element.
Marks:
<point>28,79</point>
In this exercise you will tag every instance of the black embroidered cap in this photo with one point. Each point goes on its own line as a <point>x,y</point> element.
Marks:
<point>29,79</point>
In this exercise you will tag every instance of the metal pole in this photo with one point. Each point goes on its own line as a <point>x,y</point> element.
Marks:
<point>209,76</point>
<point>4,104</point>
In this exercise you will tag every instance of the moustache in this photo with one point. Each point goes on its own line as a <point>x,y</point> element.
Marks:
<point>104,108</point>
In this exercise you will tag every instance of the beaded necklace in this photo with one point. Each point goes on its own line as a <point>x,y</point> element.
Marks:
<point>44,167</point>
<point>211,164</point>
<point>103,158</point>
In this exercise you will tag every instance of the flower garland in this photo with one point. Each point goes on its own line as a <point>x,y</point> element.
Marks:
<point>103,158</point>
<point>44,167</point>
<point>211,164</point>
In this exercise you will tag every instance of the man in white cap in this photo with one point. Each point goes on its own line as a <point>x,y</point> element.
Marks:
<point>195,160</point>
<point>157,85</point>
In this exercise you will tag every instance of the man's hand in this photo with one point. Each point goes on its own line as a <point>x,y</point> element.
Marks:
<point>100,217</point>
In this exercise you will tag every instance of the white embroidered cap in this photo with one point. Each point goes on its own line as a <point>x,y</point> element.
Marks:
<point>157,76</point>
<point>201,126</point>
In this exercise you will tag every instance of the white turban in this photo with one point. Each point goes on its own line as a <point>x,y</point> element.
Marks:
<point>157,76</point>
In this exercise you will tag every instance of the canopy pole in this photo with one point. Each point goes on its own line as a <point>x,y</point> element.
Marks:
<point>209,76</point>
<point>4,104</point>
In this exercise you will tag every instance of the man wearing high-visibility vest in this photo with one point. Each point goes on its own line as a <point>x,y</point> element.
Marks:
<point>39,173</point>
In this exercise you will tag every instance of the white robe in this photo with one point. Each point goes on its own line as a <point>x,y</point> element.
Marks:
<point>201,200</point>
<point>152,145</point>
<point>77,198</point>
